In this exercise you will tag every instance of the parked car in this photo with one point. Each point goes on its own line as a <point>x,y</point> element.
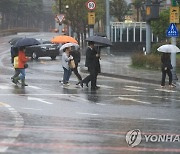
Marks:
<point>45,49</point>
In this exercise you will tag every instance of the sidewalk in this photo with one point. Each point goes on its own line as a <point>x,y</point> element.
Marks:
<point>118,66</point>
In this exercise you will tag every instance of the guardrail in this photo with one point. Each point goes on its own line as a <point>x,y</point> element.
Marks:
<point>17,30</point>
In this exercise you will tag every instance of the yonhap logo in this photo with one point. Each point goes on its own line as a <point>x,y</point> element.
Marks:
<point>133,137</point>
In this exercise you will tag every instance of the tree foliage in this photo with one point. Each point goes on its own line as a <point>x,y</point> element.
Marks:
<point>119,9</point>
<point>139,6</point>
<point>160,26</point>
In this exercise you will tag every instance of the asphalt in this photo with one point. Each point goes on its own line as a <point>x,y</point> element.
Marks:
<point>120,66</point>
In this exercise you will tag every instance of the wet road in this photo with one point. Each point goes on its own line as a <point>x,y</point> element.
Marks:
<point>46,117</point>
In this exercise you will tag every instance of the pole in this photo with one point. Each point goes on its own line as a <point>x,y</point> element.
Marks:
<point>108,22</point>
<point>60,11</point>
<point>148,37</point>
<point>173,55</point>
<point>91,30</point>
<point>173,62</point>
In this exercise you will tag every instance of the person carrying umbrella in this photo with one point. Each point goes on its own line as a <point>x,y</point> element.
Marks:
<point>166,69</point>
<point>91,63</point>
<point>19,65</point>
<point>66,57</point>
<point>166,66</point>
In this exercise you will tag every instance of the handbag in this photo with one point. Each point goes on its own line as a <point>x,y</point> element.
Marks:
<point>25,65</point>
<point>72,64</point>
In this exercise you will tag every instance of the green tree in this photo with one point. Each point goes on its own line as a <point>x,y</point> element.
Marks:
<point>138,5</point>
<point>119,9</point>
<point>77,14</point>
<point>160,25</point>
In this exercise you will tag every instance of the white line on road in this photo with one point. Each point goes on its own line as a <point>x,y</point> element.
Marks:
<point>166,90</point>
<point>135,87</point>
<point>34,87</point>
<point>39,100</point>
<point>160,119</point>
<point>105,86</point>
<point>101,104</point>
<point>90,114</point>
<point>133,100</point>
<point>19,123</point>
<point>134,90</point>
<point>5,87</point>
<point>31,109</point>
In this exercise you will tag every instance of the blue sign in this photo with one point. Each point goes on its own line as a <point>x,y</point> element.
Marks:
<point>172,31</point>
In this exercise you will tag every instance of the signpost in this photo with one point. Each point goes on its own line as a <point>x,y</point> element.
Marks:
<point>174,14</point>
<point>173,33</point>
<point>91,5</point>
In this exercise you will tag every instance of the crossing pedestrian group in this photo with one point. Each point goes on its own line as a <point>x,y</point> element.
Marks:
<point>70,60</point>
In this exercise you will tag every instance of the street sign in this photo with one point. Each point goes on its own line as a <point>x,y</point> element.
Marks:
<point>91,18</point>
<point>172,31</point>
<point>59,18</point>
<point>174,14</point>
<point>91,5</point>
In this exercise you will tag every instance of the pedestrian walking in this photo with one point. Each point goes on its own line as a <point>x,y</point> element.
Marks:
<point>91,63</point>
<point>14,53</point>
<point>66,57</point>
<point>20,65</point>
<point>166,69</point>
<point>77,57</point>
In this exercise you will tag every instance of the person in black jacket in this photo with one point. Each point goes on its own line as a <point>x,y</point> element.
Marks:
<point>166,69</point>
<point>77,57</point>
<point>91,63</point>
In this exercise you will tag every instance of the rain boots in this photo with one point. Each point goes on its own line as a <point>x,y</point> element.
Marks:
<point>15,80</point>
<point>23,84</point>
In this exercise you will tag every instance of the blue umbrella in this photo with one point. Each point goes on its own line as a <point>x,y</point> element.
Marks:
<point>26,42</point>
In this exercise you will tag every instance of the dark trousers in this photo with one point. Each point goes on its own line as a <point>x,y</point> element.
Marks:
<point>75,70</point>
<point>164,72</point>
<point>91,77</point>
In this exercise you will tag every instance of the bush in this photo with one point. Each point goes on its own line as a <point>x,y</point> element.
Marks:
<point>139,60</point>
<point>151,61</point>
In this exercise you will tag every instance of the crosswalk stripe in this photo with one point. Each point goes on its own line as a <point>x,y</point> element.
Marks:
<point>166,90</point>
<point>134,90</point>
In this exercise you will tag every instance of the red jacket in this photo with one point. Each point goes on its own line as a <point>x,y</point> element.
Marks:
<point>22,59</point>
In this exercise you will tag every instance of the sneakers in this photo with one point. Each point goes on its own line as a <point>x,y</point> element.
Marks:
<point>66,84</point>
<point>172,86</point>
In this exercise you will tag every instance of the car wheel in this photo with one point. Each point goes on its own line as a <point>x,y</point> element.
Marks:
<point>53,57</point>
<point>34,55</point>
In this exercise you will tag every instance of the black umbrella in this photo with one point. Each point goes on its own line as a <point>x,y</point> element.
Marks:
<point>26,42</point>
<point>14,40</point>
<point>100,40</point>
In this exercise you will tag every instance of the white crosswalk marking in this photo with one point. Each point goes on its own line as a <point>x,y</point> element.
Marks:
<point>9,86</point>
<point>133,100</point>
<point>5,87</point>
<point>166,90</point>
<point>134,89</point>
